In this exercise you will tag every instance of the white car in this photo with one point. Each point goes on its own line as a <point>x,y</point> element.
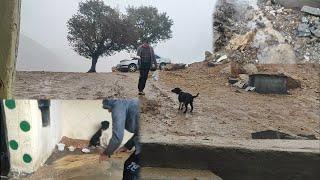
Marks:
<point>132,64</point>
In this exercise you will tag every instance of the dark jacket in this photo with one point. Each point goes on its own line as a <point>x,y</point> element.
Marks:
<point>125,115</point>
<point>147,57</point>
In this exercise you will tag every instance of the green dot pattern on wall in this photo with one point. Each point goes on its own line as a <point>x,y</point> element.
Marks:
<point>25,126</point>
<point>11,104</point>
<point>14,144</point>
<point>27,158</point>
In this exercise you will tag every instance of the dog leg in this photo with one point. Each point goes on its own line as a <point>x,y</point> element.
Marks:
<point>186,105</point>
<point>191,104</point>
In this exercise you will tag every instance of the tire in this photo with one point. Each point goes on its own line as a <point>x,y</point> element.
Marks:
<point>162,66</point>
<point>132,68</point>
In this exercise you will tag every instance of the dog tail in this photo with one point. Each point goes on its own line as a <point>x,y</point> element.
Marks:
<point>196,95</point>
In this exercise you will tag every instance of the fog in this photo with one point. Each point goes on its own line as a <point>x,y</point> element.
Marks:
<point>44,23</point>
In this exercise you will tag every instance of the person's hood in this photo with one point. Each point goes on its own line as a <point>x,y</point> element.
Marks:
<point>108,103</point>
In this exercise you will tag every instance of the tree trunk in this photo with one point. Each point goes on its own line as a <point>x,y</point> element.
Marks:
<point>9,40</point>
<point>93,65</point>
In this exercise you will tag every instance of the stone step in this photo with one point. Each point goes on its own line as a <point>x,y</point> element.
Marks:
<point>153,173</point>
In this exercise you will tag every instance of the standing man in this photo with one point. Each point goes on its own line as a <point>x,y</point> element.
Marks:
<point>125,115</point>
<point>146,62</point>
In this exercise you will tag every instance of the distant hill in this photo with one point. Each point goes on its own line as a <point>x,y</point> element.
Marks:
<point>32,56</point>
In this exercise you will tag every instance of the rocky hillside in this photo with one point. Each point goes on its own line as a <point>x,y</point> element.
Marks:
<point>265,31</point>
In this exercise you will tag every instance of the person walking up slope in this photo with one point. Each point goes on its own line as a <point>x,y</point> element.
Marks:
<point>146,62</point>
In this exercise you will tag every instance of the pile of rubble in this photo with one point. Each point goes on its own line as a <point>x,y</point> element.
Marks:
<point>263,31</point>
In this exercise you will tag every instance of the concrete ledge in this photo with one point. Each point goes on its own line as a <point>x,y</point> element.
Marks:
<point>236,159</point>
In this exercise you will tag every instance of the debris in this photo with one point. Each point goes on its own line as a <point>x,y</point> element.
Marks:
<point>311,10</point>
<point>249,88</point>
<point>208,56</point>
<point>224,57</point>
<point>239,84</point>
<point>61,146</point>
<point>86,150</point>
<point>71,148</point>
<point>155,76</point>
<point>270,134</point>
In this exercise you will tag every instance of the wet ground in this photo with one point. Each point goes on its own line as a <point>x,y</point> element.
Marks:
<point>220,110</point>
<point>78,166</point>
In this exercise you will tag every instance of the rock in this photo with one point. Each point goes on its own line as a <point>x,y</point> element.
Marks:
<point>240,42</point>
<point>303,30</point>
<point>222,58</point>
<point>244,78</point>
<point>281,54</point>
<point>304,19</point>
<point>250,69</point>
<point>208,56</point>
<point>249,88</point>
<point>174,67</point>
<point>239,84</point>
<point>315,31</point>
<point>311,10</point>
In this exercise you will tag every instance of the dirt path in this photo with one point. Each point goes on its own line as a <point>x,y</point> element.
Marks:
<point>224,111</point>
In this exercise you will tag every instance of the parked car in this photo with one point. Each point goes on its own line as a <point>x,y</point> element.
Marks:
<point>132,65</point>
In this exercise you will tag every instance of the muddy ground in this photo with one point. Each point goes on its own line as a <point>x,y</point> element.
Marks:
<point>220,110</point>
<point>78,166</point>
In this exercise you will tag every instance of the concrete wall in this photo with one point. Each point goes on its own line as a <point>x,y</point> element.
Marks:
<point>35,143</point>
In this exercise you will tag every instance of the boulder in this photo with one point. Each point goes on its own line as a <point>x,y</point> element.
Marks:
<point>311,10</point>
<point>250,69</point>
<point>240,42</point>
<point>280,54</point>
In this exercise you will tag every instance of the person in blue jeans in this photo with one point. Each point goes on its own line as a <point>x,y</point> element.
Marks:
<point>125,116</point>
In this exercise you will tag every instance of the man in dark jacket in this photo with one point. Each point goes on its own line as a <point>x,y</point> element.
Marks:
<point>125,115</point>
<point>146,62</point>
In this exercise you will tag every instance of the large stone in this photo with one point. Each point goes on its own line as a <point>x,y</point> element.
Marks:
<point>281,54</point>
<point>311,10</point>
<point>250,69</point>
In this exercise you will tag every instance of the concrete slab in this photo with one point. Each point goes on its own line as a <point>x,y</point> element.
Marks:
<point>235,159</point>
<point>149,173</point>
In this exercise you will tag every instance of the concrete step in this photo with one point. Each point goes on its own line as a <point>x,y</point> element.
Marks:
<point>151,173</point>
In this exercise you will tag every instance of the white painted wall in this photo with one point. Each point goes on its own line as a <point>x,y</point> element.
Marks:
<point>39,142</point>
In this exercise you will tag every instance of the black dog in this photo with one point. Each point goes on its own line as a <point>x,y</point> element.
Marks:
<point>184,99</point>
<point>95,140</point>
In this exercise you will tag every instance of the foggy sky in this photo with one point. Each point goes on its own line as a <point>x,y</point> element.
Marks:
<point>44,21</point>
